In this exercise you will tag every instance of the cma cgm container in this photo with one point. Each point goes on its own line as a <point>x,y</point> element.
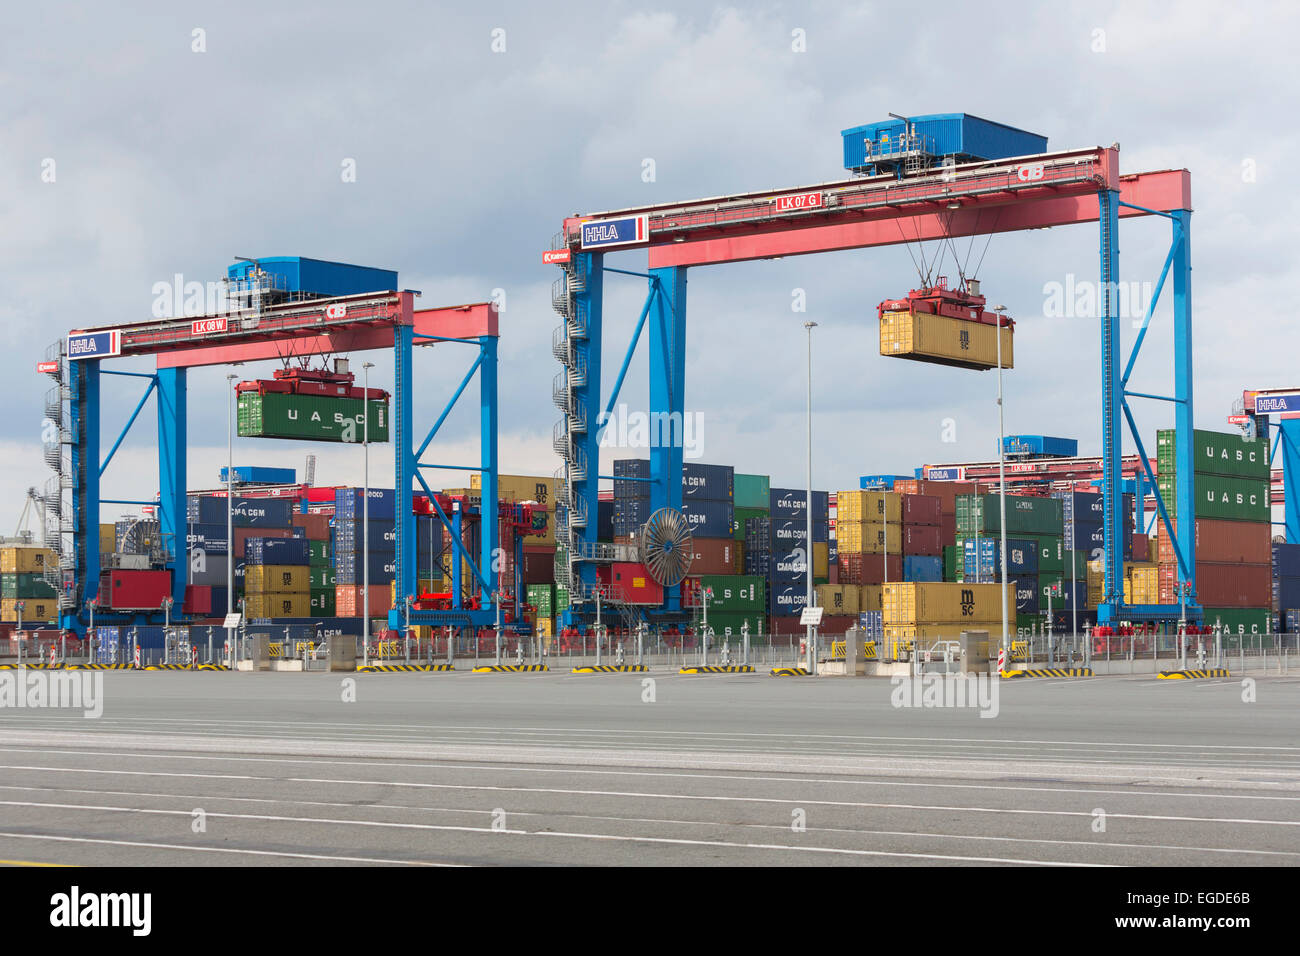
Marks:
<point>791,503</point>
<point>707,518</point>
<point>246,512</point>
<point>310,417</point>
<point>705,482</point>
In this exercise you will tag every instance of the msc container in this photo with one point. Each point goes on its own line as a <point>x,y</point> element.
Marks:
<point>941,602</point>
<point>280,551</point>
<point>246,512</point>
<point>34,610</point>
<point>922,568</point>
<point>876,506</point>
<point>275,578</point>
<point>520,488</point>
<point>867,537</point>
<point>1026,515</point>
<point>751,491</point>
<point>1216,453</point>
<point>348,504</point>
<point>303,417</point>
<point>790,503</point>
<point>273,604</point>
<point>26,560</point>
<point>838,598</point>
<point>1234,585</point>
<point>925,337</point>
<point>1040,446</point>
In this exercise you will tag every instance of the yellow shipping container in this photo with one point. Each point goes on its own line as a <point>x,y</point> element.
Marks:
<point>545,626</point>
<point>276,579</point>
<point>278,605</point>
<point>935,602</point>
<point>870,598</point>
<point>25,560</point>
<point>1141,583</point>
<point>520,488</point>
<point>35,610</point>
<point>869,506</point>
<point>868,537</point>
<point>838,598</point>
<point>821,559</point>
<point>947,341</point>
<point>107,539</point>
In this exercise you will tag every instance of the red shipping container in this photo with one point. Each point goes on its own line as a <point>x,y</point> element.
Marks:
<point>348,600</point>
<point>539,566</point>
<point>948,529</point>
<point>833,576</point>
<point>134,590</point>
<point>921,509</point>
<point>714,556</point>
<point>922,539</point>
<point>1141,549</point>
<point>1222,541</point>
<point>198,599</point>
<point>631,582</point>
<point>869,568</point>
<point>320,494</point>
<point>317,526</point>
<point>1234,585</point>
<point>945,491</point>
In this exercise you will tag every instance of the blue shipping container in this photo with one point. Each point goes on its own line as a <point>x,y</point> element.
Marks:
<point>1026,594</point>
<point>382,536</point>
<point>708,519</point>
<point>247,512</point>
<point>286,551</point>
<point>787,597</point>
<point>791,565</point>
<point>790,503</point>
<point>1082,506</point>
<point>704,482</point>
<point>1040,445</point>
<point>879,482</point>
<point>348,568</point>
<point>1286,560</point>
<point>256,475</point>
<point>348,503</point>
<point>787,533</point>
<point>1286,592</point>
<point>922,568</point>
<point>1022,557</point>
<point>873,623</point>
<point>210,537</point>
<point>960,135</point>
<point>1086,537</point>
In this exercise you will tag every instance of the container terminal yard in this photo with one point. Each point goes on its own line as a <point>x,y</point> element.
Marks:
<point>1076,648</point>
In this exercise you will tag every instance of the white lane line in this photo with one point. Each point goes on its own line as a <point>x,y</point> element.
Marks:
<point>604,837</point>
<point>719,798</point>
<point>707,735</point>
<point>668,821</point>
<point>217,849</point>
<point>761,778</point>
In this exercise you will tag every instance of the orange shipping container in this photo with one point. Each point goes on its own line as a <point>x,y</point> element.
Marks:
<point>348,600</point>
<point>317,526</point>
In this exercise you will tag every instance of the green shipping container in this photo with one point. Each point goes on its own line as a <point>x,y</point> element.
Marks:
<point>320,552</point>
<point>561,599</point>
<point>1026,515</point>
<point>1025,623</point>
<point>751,491</point>
<point>322,602</point>
<point>26,586</point>
<point>1238,499</point>
<point>950,568</point>
<point>1240,620</point>
<point>1051,553</point>
<point>740,516</point>
<point>1230,455</point>
<point>320,577</point>
<point>310,417</point>
<point>728,624</point>
<point>542,597</point>
<point>735,593</point>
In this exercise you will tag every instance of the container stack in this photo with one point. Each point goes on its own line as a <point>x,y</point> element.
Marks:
<point>22,578</point>
<point>751,499</point>
<point>542,598</point>
<point>276,578</point>
<point>1286,585</point>
<point>209,547</point>
<point>349,551</point>
<point>1234,574</point>
<point>939,610</point>
<point>787,544</point>
<point>733,601</point>
<point>707,498</point>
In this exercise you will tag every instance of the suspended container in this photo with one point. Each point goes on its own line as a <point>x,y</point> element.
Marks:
<point>945,327</point>
<point>311,405</point>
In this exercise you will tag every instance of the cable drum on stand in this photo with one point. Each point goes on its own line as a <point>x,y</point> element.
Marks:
<point>667,546</point>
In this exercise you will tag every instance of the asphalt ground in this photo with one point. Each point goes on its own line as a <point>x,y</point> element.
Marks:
<point>560,769</point>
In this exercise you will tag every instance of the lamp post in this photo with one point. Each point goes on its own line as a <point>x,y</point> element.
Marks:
<point>808,506</point>
<point>230,517</point>
<point>1002,484</point>
<point>365,511</point>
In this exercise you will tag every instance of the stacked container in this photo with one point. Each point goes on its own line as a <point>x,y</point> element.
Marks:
<point>1234,575</point>
<point>349,550</point>
<point>785,533</point>
<point>707,498</point>
<point>939,610</point>
<point>22,578</point>
<point>276,578</point>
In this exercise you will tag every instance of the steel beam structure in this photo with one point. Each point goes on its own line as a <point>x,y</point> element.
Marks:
<point>1032,192</point>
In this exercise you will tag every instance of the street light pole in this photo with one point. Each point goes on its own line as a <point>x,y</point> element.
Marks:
<point>808,507</point>
<point>365,511</point>
<point>1002,484</point>
<point>230,516</point>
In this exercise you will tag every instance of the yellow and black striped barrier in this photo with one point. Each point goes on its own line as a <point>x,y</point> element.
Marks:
<point>43,666</point>
<point>214,667</point>
<point>790,672</point>
<point>509,668</point>
<point>611,669</point>
<point>101,667</point>
<point>169,667</point>
<point>732,669</point>
<point>391,668</point>
<point>1194,675</point>
<point>1051,672</point>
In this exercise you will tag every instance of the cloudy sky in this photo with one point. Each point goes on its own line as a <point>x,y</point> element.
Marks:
<point>181,135</point>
